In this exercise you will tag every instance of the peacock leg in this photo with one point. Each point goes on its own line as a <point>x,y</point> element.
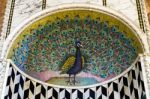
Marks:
<point>69,78</point>
<point>69,81</point>
<point>75,81</point>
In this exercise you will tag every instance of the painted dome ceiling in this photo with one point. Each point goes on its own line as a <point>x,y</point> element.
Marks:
<point>109,46</point>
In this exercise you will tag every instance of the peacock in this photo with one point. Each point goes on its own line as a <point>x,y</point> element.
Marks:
<point>74,64</point>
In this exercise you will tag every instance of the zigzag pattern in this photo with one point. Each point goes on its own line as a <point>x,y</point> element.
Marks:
<point>129,86</point>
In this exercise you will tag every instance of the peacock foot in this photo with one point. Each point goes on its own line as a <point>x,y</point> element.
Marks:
<point>69,82</point>
<point>75,82</point>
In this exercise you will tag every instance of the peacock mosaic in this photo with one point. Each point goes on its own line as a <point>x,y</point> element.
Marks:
<point>106,51</point>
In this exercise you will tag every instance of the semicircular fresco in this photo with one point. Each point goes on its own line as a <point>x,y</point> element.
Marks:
<point>107,50</point>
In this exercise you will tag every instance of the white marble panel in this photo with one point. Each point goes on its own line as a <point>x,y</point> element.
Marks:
<point>126,7</point>
<point>24,9</point>
<point>51,3</point>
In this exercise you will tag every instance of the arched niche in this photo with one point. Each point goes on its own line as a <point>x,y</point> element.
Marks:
<point>113,21</point>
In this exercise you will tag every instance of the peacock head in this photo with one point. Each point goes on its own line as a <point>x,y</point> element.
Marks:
<point>78,43</point>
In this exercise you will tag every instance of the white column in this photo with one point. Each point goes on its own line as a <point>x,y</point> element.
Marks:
<point>145,64</point>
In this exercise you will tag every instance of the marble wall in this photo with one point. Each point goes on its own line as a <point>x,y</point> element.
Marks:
<point>23,9</point>
<point>125,7</point>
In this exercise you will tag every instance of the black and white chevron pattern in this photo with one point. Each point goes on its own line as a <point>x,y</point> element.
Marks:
<point>129,86</point>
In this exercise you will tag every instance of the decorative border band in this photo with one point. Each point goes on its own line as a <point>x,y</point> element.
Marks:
<point>140,16</point>
<point>43,4</point>
<point>104,2</point>
<point>10,17</point>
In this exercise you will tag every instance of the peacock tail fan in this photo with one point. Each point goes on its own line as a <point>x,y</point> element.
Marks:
<point>106,49</point>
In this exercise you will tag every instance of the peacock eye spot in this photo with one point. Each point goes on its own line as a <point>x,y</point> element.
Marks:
<point>58,23</point>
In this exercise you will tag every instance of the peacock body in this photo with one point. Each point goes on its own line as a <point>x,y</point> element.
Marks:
<point>73,65</point>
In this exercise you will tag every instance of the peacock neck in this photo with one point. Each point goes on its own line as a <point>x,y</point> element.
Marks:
<point>78,60</point>
<point>78,52</point>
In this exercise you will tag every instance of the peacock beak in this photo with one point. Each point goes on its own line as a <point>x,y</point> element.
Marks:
<point>81,45</point>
